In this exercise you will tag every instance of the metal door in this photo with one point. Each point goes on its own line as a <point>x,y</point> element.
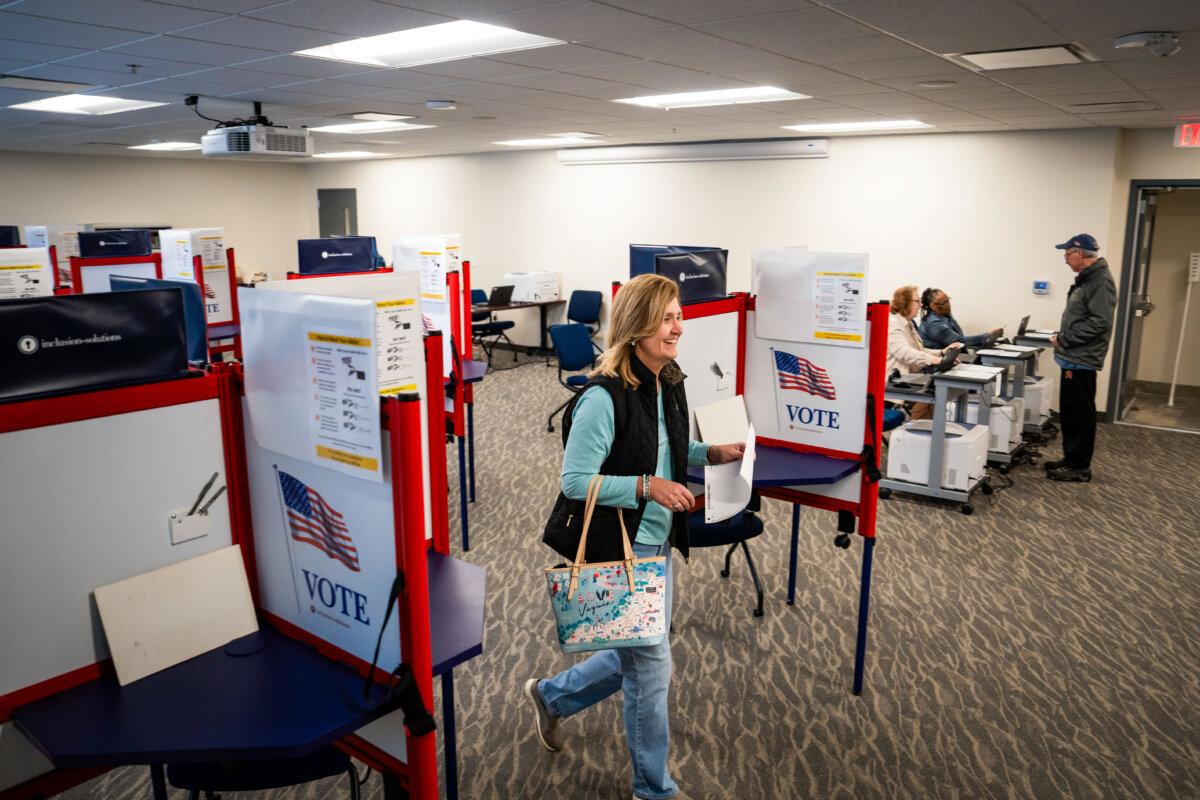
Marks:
<point>1138,300</point>
<point>337,212</point>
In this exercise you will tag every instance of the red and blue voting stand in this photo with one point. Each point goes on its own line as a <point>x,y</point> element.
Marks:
<point>78,716</point>
<point>800,473</point>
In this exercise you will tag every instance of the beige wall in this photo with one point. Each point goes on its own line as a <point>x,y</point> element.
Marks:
<point>263,207</point>
<point>1176,237</point>
<point>974,214</point>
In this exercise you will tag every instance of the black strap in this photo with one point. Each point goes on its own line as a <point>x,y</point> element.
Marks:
<point>869,461</point>
<point>402,684</point>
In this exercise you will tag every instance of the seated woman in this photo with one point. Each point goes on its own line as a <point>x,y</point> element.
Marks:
<point>939,328</point>
<point>905,353</point>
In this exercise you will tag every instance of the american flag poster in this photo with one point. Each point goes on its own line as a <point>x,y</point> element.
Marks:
<point>797,372</point>
<point>313,521</point>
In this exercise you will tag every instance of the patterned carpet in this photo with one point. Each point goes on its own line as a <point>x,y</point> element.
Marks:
<point>1044,647</point>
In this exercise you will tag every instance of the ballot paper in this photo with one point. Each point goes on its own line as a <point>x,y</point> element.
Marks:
<point>727,486</point>
<point>1016,348</point>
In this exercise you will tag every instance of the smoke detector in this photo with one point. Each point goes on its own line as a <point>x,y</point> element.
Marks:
<point>1161,43</point>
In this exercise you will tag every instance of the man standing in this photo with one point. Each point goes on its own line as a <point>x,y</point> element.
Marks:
<point>1079,349</point>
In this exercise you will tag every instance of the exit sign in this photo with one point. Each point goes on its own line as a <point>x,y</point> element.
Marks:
<point>1187,134</point>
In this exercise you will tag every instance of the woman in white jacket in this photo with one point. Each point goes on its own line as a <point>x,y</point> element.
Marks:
<point>906,353</point>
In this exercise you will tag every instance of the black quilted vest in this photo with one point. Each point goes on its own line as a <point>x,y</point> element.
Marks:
<point>634,452</point>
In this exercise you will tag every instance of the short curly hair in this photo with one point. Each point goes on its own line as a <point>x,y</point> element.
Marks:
<point>902,297</point>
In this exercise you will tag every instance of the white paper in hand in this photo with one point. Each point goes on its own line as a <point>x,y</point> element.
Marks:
<point>727,486</point>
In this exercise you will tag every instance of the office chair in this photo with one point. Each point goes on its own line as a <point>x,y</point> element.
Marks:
<point>584,308</point>
<point>732,533</point>
<point>573,347</point>
<point>259,774</point>
<point>494,330</point>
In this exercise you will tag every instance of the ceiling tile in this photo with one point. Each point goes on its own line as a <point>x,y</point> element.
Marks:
<point>147,68</point>
<point>400,79</point>
<point>574,21</point>
<point>1185,81</point>
<point>1077,87</point>
<point>687,48</point>
<point>64,72</point>
<point>333,88</point>
<point>348,17</point>
<point>35,52</point>
<point>132,14</point>
<point>176,48</point>
<point>782,32</point>
<point>980,38</point>
<point>1065,72</point>
<point>468,9</point>
<point>283,97</point>
<point>246,32</point>
<point>916,15</point>
<point>473,69</point>
<point>304,67</point>
<point>570,84</point>
<point>845,51</point>
<point>895,67</point>
<point>224,6</point>
<point>24,28</point>
<point>694,11</point>
<point>660,78</point>
<point>563,57</point>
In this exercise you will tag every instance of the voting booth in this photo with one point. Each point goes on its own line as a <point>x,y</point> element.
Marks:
<point>806,352</point>
<point>320,474</point>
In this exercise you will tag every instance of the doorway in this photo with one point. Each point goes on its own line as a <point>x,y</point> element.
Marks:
<point>337,212</point>
<point>1156,360</point>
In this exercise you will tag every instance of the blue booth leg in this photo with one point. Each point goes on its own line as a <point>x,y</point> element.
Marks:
<point>462,491</point>
<point>791,595</point>
<point>449,736</point>
<point>158,782</point>
<point>864,601</point>
<point>471,447</point>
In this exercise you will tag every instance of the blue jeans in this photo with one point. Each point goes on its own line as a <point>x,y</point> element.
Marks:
<point>644,675</point>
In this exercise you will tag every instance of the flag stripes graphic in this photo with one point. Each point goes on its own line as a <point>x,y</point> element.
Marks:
<point>315,522</point>
<point>797,372</point>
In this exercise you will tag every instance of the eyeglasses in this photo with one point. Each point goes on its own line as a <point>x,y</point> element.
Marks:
<point>1072,250</point>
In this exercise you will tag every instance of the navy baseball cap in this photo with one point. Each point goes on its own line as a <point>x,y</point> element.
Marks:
<point>1083,241</point>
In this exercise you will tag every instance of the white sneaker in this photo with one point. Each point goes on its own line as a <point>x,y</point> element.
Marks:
<point>545,722</point>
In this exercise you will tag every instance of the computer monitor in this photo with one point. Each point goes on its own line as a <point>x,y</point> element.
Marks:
<point>700,274</point>
<point>194,321</point>
<point>10,236</point>
<point>641,256</point>
<point>335,255</point>
<point>500,295</point>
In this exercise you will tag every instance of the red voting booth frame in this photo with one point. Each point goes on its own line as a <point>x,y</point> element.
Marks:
<point>79,264</point>
<point>865,508</point>
<point>401,422</point>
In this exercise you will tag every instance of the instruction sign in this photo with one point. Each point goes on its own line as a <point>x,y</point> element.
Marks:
<point>343,421</point>
<point>812,297</point>
<point>839,308</point>
<point>25,272</point>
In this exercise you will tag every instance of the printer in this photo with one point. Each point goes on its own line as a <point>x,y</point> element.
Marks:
<point>533,287</point>
<point>963,461</point>
<point>1006,419</point>
<point>1039,392</point>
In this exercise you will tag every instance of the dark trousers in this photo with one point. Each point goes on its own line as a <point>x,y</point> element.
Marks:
<point>1077,415</point>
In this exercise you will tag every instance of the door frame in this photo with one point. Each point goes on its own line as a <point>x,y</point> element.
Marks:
<point>1128,259</point>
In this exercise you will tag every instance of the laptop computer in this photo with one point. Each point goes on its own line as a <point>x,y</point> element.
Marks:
<point>1023,326</point>
<point>500,296</point>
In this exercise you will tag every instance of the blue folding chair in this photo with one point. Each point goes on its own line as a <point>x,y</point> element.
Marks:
<point>493,330</point>
<point>732,533</point>
<point>584,308</point>
<point>573,346</point>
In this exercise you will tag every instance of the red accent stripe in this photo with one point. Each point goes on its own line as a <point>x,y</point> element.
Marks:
<point>301,524</point>
<point>51,686</point>
<point>28,414</point>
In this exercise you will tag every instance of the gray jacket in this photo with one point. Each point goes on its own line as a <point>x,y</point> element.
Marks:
<point>1087,321</point>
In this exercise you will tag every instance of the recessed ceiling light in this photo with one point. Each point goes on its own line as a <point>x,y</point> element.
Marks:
<point>937,84</point>
<point>90,104</point>
<point>854,127</point>
<point>1052,56</point>
<point>546,141</point>
<point>40,84</point>
<point>347,154</point>
<point>719,97</point>
<point>376,116</point>
<point>447,41</point>
<point>369,127</point>
<point>441,105</point>
<point>168,146</point>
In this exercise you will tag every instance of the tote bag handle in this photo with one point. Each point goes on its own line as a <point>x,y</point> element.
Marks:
<point>589,506</point>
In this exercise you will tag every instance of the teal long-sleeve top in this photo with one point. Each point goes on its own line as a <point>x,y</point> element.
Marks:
<point>592,432</point>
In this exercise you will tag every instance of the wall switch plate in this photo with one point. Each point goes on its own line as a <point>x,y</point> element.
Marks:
<point>1041,287</point>
<point>185,528</point>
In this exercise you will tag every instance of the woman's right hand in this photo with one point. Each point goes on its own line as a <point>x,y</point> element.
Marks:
<point>951,347</point>
<point>670,495</point>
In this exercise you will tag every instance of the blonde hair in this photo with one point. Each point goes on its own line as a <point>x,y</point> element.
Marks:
<point>901,298</point>
<point>637,312</point>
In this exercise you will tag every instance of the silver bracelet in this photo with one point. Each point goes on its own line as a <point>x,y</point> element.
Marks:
<point>646,488</point>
